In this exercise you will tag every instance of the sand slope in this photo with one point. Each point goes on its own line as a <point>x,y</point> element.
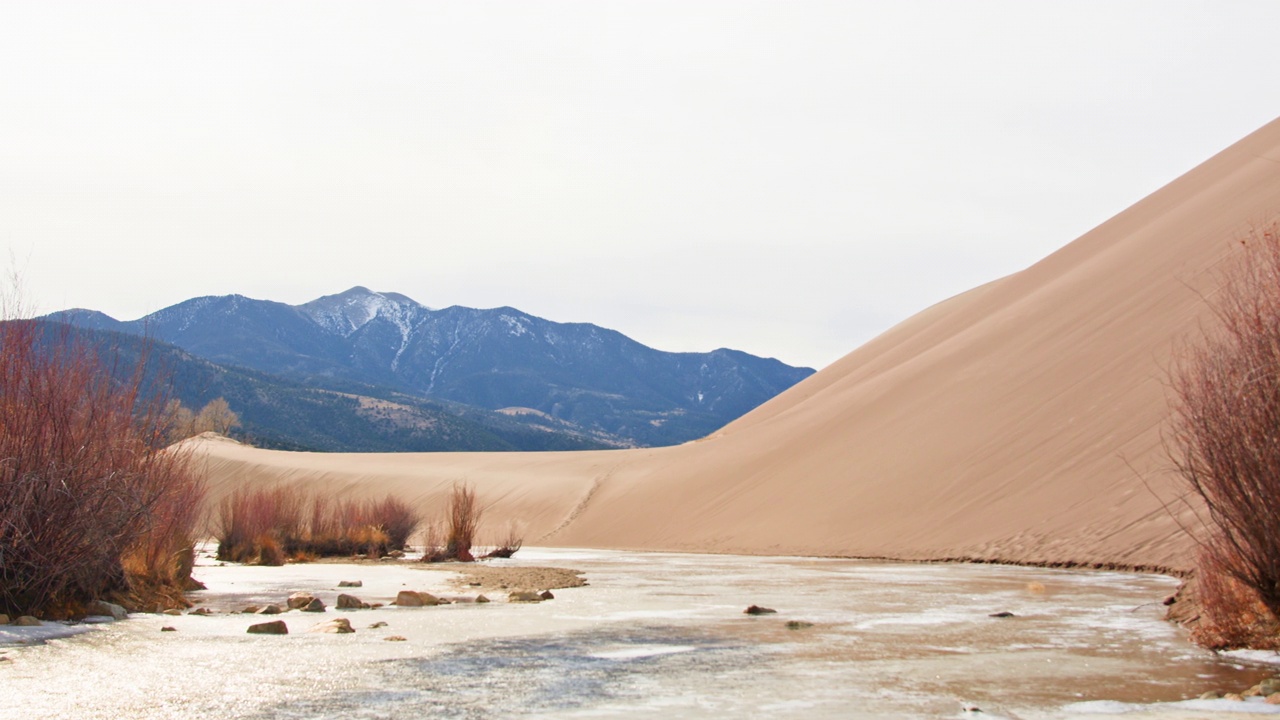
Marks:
<point>1013,422</point>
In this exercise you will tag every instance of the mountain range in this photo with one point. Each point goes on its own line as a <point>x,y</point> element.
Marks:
<point>594,381</point>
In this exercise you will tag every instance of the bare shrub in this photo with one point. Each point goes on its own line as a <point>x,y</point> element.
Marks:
<point>463,521</point>
<point>397,519</point>
<point>433,543</point>
<point>268,526</point>
<point>453,537</point>
<point>90,504</point>
<point>1231,615</point>
<point>1225,431</point>
<point>508,544</point>
<point>163,557</point>
<point>259,526</point>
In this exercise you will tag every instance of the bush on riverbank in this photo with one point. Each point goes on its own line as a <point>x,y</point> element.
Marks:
<point>453,537</point>
<point>271,525</point>
<point>1230,613</point>
<point>1225,443</point>
<point>91,506</point>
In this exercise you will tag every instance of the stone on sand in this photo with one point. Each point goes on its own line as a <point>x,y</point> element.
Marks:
<point>112,610</point>
<point>338,626</point>
<point>351,602</point>
<point>274,627</point>
<point>410,598</point>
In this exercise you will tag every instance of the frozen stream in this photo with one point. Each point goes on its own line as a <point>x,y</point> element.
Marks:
<point>653,635</point>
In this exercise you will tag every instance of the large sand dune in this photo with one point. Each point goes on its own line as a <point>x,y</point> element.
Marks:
<point>1020,421</point>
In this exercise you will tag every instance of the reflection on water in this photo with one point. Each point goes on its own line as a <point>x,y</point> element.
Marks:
<point>652,635</point>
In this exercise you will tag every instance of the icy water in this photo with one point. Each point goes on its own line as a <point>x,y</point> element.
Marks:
<point>652,635</point>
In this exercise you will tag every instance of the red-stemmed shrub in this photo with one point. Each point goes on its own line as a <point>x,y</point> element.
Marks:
<point>1231,615</point>
<point>1225,435</point>
<point>397,519</point>
<point>452,538</point>
<point>91,506</point>
<point>508,544</point>
<point>462,521</point>
<point>267,526</point>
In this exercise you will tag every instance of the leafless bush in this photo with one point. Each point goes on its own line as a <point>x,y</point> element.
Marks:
<point>1225,432</point>
<point>453,537</point>
<point>433,549</point>
<point>255,526</point>
<point>1231,615</point>
<point>508,544</point>
<point>268,526</point>
<point>463,521</point>
<point>397,519</point>
<point>90,505</point>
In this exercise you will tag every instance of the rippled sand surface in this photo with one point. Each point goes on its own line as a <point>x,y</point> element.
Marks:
<point>650,635</point>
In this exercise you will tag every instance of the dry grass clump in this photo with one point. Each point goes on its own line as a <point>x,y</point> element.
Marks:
<point>269,526</point>
<point>90,504</point>
<point>1225,443</point>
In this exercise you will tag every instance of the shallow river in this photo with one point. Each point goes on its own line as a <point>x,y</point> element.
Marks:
<point>652,635</point>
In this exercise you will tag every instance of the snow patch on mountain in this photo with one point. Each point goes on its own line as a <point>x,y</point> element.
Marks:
<point>184,314</point>
<point>515,325</point>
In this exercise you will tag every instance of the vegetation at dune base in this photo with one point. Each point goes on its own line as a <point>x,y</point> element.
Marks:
<point>91,505</point>
<point>288,522</point>
<point>452,537</point>
<point>1224,441</point>
<point>269,526</point>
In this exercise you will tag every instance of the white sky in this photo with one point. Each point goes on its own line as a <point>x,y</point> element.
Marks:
<point>786,178</point>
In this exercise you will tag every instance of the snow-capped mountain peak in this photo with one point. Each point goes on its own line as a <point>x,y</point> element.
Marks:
<point>347,312</point>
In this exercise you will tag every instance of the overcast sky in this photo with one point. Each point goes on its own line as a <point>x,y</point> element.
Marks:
<point>786,178</point>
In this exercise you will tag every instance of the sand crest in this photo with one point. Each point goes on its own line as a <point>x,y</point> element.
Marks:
<point>1019,421</point>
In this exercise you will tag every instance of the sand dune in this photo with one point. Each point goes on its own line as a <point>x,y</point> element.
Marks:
<point>1016,421</point>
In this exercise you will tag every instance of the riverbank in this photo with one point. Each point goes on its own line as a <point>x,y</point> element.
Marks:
<point>648,633</point>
